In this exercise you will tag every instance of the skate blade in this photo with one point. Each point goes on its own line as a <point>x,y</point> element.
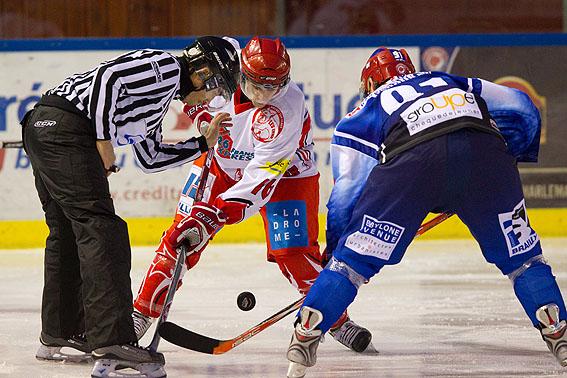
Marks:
<point>296,370</point>
<point>63,354</point>
<point>370,349</point>
<point>105,368</point>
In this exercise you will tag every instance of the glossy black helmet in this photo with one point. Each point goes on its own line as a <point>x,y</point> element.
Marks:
<point>221,56</point>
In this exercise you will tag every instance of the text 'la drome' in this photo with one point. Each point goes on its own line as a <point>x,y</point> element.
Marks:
<point>285,223</point>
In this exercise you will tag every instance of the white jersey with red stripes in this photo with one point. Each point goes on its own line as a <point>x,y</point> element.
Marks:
<point>265,145</point>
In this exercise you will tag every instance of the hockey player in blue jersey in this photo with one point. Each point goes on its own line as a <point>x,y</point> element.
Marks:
<point>424,142</point>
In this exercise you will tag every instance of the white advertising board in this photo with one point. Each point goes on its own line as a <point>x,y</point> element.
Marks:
<point>329,78</point>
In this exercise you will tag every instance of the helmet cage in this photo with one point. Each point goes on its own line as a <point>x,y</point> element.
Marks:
<point>260,93</point>
<point>220,80</point>
<point>260,81</point>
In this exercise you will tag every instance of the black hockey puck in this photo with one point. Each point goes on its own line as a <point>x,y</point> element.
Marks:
<point>246,301</point>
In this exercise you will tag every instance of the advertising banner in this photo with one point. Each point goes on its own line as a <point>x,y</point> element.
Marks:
<point>329,78</point>
<point>539,72</point>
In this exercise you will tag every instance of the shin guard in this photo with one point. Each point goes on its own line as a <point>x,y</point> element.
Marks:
<point>535,286</point>
<point>331,294</point>
<point>300,268</point>
<point>153,290</point>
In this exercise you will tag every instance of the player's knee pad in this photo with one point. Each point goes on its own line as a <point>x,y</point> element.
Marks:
<point>301,268</point>
<point>345,270</point>
<point>153,290</point>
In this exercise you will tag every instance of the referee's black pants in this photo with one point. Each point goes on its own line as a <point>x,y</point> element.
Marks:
<point>87,255</point>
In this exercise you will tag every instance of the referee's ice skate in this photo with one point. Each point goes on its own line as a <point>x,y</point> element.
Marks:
<point>72,349</point>
<point>127,360</point>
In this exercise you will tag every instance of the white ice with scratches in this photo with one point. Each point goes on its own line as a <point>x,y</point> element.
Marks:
<point>442,312</point>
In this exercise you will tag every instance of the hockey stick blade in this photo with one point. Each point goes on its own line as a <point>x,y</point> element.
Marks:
<point>188,339</point>
<point>199,343</point>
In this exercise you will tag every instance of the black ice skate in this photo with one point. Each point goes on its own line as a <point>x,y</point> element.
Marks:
<point>352,336</point>
<point>141,323</point>
<point>127,360</point>
<point>553,331</point>
<point>74,349</point>
<point>302,351</point>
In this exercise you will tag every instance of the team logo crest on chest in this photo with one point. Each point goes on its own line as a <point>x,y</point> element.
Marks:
<point>267,123</point>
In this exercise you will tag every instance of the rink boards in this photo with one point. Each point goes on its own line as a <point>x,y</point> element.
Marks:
<point>147,231</point>
<point>327,69</point>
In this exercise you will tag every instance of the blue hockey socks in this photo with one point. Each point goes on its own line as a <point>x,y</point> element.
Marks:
<point>331,294</point>
<point>537,287</point>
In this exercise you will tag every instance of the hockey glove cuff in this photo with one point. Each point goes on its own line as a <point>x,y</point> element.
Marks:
<point>198,227</point>
<point>200,116</point>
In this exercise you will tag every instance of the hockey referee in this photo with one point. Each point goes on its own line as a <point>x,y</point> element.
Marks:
<point>70,137</point>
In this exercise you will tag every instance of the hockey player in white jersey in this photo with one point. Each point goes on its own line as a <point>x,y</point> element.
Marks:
<point>425,142</point>
<point>262,163</point>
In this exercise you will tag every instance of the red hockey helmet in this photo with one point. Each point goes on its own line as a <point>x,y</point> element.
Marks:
<point>266,62</point>
<point>383,65</point>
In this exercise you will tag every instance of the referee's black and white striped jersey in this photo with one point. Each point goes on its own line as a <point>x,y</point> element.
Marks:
<point>126,99</point>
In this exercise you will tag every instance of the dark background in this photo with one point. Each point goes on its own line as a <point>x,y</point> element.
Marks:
<point>543,69</point>
<point>172,18</point>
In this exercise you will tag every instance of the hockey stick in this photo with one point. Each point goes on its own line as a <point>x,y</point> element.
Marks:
<point>15,144</point>
<point>190,340</point>
<point>181,256</point>
<point>433,222</point>
<point>200,343</point>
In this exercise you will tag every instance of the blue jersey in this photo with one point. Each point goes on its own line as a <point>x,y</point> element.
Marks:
<point>411,109</point>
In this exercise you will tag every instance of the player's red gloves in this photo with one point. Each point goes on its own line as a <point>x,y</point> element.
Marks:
<point>200,116</point>
<point>198,227</point>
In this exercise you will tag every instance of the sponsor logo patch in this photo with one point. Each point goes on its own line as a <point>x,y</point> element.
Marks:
<point>441,107</point>
<point>276,168</point>
<point>224,147</point>
<point>519,235</point>
<point>155,67</point>
<point>190,190</point>
<point>123,140</point>
<point>287,224</point>
<point>44,123</point>
<point>267,123</point>
<point>357,109</point>
<point>375,238</point>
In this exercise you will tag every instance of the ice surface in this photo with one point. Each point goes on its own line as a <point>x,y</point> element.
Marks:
<point>442,312</point>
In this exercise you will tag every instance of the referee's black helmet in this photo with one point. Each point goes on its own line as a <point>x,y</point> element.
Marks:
<point>220,55</point>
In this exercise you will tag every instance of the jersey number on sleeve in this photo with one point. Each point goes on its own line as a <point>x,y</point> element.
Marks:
<point>265,186</point>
